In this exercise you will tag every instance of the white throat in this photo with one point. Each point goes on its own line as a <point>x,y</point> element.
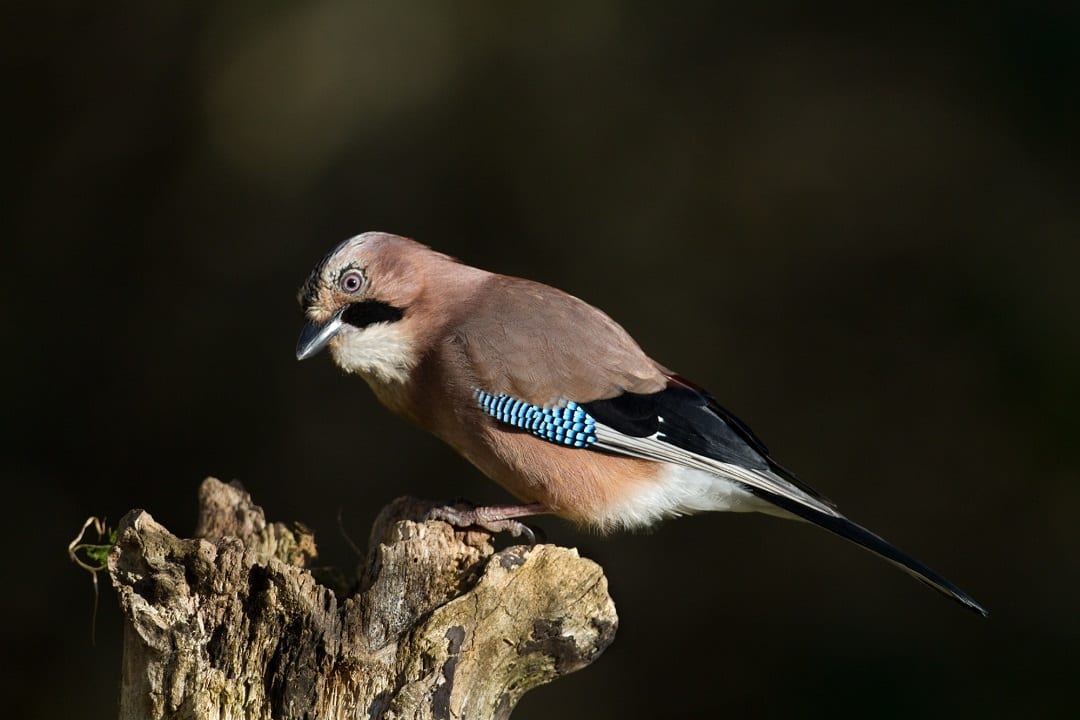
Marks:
<point>380,352</point>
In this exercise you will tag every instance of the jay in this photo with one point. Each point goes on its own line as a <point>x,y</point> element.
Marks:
<point>550,398</point>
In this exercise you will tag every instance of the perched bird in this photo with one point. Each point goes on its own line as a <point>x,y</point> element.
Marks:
<point>549,397</point>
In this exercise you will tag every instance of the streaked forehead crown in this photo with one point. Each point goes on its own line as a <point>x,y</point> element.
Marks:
<point>386,257</point>
<point>309,291</point>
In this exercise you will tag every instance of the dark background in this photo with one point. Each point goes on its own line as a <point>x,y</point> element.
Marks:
<point>858,229</point>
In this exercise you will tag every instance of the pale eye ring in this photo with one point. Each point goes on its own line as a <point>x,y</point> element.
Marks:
<point>351,281</point>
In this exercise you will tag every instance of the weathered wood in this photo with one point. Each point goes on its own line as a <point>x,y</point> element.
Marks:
<point>230,624</point>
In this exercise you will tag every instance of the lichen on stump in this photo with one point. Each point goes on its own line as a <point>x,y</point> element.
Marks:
<point>231,624</point>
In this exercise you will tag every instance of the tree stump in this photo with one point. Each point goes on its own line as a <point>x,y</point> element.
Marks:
<point>231,624</point>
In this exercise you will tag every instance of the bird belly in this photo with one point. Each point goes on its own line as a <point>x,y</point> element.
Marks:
<point>603,490</point>
<point>678,490</point>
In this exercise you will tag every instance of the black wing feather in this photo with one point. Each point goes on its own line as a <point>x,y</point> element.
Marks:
<point>682,417</point>
<point>690,418</point>
<point>631,414</point>
<point>862,537</point>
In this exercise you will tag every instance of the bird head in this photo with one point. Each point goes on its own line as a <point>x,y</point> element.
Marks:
<point>360,301</point>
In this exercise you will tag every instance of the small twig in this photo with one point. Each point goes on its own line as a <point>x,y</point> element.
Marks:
<point>345,534</point>
<point>97,552</point>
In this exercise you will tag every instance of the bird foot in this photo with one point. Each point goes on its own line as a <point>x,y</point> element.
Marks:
<point>493,518</point>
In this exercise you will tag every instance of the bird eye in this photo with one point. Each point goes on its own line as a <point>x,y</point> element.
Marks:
<point>351,281</point>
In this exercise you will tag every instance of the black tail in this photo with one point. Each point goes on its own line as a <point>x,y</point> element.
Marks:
<point>864,538</point>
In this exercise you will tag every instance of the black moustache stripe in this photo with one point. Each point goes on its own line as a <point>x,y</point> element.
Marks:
<point>368,312</point>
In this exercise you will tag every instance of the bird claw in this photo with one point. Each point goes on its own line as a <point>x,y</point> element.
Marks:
<point>465,515</point>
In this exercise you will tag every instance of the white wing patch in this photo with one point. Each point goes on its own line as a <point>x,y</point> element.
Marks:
<point>654,448</point>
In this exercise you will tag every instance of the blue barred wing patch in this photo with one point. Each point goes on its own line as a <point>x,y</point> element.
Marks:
<point>567,425</point>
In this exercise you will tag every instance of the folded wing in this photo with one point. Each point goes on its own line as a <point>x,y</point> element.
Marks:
<point>684,425</point>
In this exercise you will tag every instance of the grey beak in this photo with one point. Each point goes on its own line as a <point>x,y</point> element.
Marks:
<point>314,336</point>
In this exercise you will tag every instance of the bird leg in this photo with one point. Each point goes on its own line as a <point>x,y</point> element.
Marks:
<point>493,518</point>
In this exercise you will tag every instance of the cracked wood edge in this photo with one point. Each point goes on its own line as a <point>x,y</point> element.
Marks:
<point>231,624</point>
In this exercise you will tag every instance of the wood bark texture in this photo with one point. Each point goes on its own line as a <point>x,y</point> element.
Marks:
<point>231,624</point>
